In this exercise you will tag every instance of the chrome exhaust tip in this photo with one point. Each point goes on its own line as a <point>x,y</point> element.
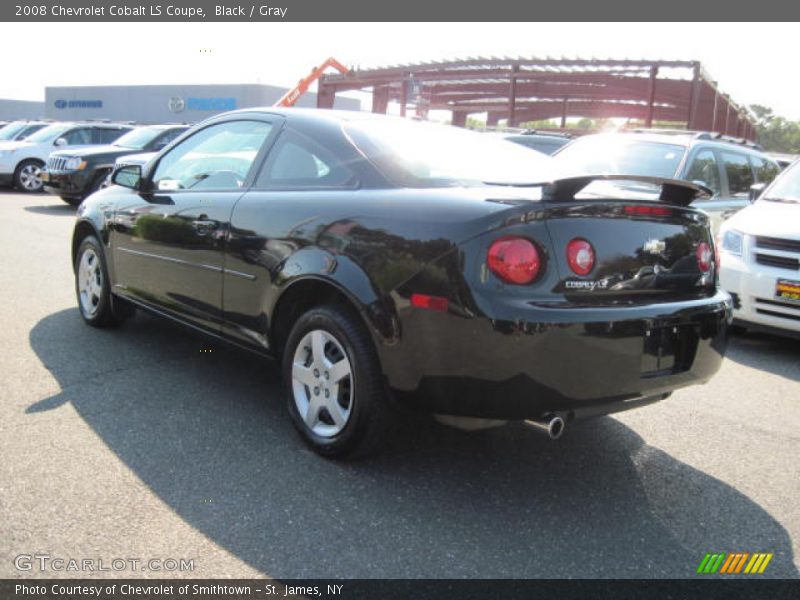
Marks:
<point>552,424</point>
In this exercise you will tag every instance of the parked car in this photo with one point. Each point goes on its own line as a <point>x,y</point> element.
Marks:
<point>726,166</point>
<point>383,260</point>
<point>760,258</point>
<point>75,173</point>
<point>544,142</point>
<point>21,162</point>
<point>19,130</point>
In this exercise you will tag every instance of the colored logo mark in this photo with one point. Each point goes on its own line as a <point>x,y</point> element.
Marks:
<point>734,563</point>
<point>61,103</point>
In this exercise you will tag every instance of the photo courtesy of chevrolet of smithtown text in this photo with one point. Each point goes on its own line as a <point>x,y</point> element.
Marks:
<point>356,300</point>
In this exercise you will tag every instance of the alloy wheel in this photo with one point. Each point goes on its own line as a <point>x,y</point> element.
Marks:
<point>30,177</point>
<point>90,282</point>
<point>322,383</point>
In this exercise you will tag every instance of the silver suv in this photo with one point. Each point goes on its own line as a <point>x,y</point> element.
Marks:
<point>21,162</point>
<point>728,166</point>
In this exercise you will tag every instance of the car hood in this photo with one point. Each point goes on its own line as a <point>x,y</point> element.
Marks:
<point>773,219</point>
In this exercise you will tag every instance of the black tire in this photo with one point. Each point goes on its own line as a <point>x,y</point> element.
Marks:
<point>26,178</point>
<point>96,308</point>
<point>71,201</point>
<point>365,427</point>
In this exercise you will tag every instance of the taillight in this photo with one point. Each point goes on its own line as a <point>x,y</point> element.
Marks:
<point>514,260</point>
<point>639,210</point>
<point>580,256</point>
<point>704,257</point>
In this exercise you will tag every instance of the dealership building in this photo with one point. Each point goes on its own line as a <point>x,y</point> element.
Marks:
<point>152,103</point>
<point>11,110</point>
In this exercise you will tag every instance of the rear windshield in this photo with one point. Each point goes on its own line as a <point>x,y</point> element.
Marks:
<point>417,154</point>
<point>606,155</point>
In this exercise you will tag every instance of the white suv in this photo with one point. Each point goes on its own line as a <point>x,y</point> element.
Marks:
<point>759,250</point>
<point>21,162</point>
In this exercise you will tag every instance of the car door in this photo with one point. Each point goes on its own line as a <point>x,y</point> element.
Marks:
<point>765,170</point>
<point>738,178</point>
<point>79,136</point>
<point>108,135</point>
<point>705,167</point>
<point>163,140</point>
<point>168,242</point>
<point>271,221</point>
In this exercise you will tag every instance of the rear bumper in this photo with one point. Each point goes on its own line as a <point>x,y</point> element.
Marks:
<point>528,360</point>
<point>6,179</point>
<point>753,286</point>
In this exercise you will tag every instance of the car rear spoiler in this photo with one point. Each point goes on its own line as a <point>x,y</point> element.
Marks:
<point>673,191</point>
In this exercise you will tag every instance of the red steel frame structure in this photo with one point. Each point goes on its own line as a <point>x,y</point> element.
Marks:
<point>521,90</point>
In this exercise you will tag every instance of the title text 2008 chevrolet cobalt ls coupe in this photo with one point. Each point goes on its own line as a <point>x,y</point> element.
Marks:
<point>390,261</point>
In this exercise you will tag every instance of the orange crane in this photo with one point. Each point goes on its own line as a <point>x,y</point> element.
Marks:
<point>290,97</point>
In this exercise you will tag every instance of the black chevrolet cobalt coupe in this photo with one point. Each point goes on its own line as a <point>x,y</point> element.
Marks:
<point>386,261</point>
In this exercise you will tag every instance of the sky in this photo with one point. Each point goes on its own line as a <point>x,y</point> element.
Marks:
<point>750,61</point>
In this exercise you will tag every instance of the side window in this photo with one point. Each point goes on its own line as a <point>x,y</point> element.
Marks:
<point>165,138</point>
<point>106,136</point>
<point>31,129</point>
<point>705,169</point>
<point>218,157</point>
<point>765,170</point>
<point>739,173</point>
<point>296,162</point>
<point>78,137</point>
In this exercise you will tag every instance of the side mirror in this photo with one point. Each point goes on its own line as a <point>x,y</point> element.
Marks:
<point>61,142</point>
<point>756,190</point>
<point>128,176</point>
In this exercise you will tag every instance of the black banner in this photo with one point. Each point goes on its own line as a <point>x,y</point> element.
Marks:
<point>400,589</point>
<point>407,10</point>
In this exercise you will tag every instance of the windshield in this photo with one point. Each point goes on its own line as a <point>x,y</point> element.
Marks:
<point>49,133</point>
<point>138,138</point>
<point>414,154</point>
<point>10,131</point>
<point>786,187</point>
<point>606,155</point>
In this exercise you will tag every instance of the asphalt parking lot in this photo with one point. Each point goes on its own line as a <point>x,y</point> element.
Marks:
<point>149,442</point>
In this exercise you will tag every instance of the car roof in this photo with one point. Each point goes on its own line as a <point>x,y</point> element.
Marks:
<point>686,139</point>
<point>315,114</point>
<point>163,126</point>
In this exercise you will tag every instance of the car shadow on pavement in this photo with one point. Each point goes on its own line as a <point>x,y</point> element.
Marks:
<point>765,352</point>
<point>56,210</point>
<point>203,426</point>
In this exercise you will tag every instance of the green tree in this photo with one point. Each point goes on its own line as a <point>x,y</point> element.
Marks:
<point>776,133</point>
